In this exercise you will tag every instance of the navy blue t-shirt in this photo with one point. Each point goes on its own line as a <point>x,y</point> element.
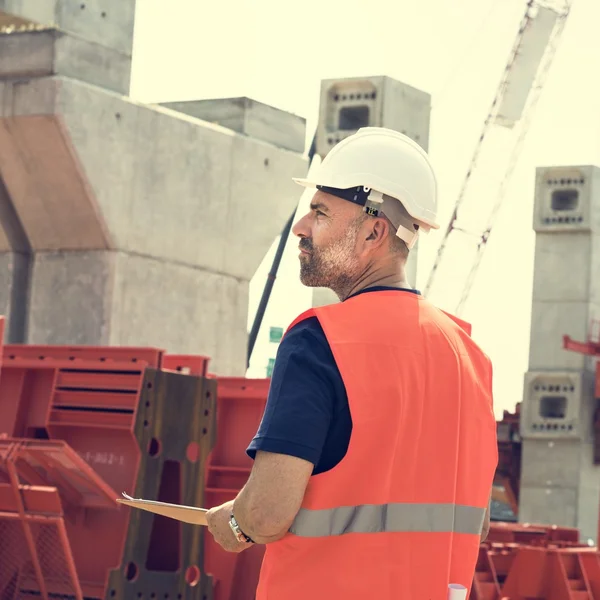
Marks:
<point>307,413</point>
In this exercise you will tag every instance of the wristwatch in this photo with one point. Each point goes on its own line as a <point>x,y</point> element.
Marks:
<point>240,536</point>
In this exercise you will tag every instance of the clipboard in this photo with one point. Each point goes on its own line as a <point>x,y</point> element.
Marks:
<point>186,514</point>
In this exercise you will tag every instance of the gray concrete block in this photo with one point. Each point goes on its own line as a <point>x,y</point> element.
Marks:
<point>562,268</point>
<point>567,199</point>
<point>551,463</point>
<point>249,117</point>
<point>349,104</point>
<point>106,22</point>
<point>181,308</point>
<point>52,52</point>
<point>549,322</point>
<point>71,298</point>
<point>548,506</point>
<point>560,485</point>
<point>177,188</point>
<point>558,405</point>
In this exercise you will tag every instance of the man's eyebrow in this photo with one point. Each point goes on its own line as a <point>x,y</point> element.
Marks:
<point>318,206</point>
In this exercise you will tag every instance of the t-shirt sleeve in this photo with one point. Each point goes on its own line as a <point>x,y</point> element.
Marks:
<point>301,400</point>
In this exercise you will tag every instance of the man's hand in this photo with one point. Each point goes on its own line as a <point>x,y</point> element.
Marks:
<point>218,525</point>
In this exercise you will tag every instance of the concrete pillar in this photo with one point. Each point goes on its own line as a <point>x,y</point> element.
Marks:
<point>559,482</point>
<point>349,104</point>
<point>143,225</point>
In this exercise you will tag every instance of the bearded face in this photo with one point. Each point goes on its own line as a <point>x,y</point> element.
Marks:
<point>331,262</point>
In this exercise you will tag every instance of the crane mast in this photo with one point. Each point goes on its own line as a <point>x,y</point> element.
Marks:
<point>496,154</point>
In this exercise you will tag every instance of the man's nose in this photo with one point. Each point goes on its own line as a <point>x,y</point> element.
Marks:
<point>301,229</point>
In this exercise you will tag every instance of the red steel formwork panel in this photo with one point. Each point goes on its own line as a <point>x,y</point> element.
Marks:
<point>123,425</point>
<point>522,562</point>
<point>240,405</point>
<point>39,557</point>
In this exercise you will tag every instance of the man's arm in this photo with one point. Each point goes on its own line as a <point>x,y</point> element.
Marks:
<point>270,500</point>
<point>289,442</point>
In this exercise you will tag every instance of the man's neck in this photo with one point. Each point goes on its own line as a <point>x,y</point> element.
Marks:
<point>395,279</point>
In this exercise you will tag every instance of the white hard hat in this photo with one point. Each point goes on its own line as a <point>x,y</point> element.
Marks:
<point>375,163</point>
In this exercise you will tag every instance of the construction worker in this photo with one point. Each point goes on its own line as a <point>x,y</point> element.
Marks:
<point>374,460</point>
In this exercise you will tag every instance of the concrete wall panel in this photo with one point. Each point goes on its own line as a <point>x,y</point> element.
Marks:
<point>181,308</point>
<point>548,506</point>
<point>71,297</point>
<point>562,267</point>
<point>550,463</point>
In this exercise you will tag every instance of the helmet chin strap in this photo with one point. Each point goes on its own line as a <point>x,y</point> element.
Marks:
<point>407,236</point>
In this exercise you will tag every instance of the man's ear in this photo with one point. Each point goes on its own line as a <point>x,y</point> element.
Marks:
<point>378,231</point>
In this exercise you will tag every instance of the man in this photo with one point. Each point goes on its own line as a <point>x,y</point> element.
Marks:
<point>374,461</point>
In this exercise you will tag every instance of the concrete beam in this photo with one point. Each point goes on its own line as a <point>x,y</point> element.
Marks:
<point>249,117</point>
<point>53,52</point>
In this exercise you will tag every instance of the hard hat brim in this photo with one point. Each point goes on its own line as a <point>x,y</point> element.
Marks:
<point>307,183</point>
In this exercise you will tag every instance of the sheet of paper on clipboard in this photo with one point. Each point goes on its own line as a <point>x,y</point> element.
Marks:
<point>186,514</point>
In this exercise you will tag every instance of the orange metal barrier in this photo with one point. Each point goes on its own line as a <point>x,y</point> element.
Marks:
<point>90,423</point>
<point>523,562</point>
<point>240,404</point>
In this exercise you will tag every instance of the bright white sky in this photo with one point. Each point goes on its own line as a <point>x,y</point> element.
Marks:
<point>278,52</point>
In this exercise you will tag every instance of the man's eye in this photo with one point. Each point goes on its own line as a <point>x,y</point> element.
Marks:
<point>319,213</point>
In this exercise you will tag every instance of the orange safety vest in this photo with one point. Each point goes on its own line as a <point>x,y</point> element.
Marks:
<point>400,517</point>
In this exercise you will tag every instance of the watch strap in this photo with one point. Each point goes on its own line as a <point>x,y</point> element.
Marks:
<point>239,534</point>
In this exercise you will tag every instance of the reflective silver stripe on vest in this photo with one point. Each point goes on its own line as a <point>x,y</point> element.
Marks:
<point>397,517</point>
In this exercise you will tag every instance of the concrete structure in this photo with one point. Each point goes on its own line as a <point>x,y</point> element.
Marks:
<point>123,223</point>
<point>559,482</point>
<point>349,104</point>
<point>249,117</point>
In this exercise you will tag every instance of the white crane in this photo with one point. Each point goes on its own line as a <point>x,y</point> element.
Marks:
<point>497,152</point>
